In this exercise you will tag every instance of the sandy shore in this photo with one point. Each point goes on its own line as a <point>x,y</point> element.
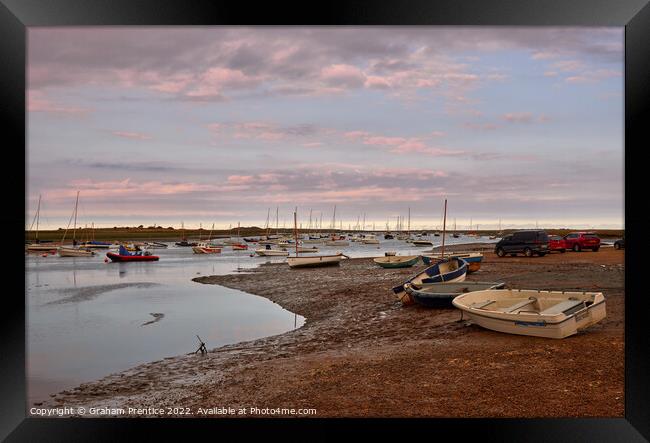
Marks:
<point>360,353</point>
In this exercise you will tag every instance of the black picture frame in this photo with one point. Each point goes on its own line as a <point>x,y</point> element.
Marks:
<point>634,15</point>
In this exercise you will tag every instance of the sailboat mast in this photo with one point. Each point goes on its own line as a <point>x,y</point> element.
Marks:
<point>295,229</point>
<point>409,224</point>
<point>277,220</point>
<point>38,216</point>
<point>444,228</point>
<point>210,234</point>
<point>74,229</point>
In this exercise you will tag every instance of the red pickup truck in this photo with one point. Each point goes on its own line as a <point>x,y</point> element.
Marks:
<point>582,240</point>
<point>556,243</point>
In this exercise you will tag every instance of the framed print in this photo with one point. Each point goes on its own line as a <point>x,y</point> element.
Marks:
<point>375,217</point>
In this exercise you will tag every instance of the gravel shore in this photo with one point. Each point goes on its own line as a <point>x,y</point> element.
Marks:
<point>362,354</point>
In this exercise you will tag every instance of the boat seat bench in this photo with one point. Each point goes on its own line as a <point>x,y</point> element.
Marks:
<point>482,304</point>
<point>563,307</point>
<point>516,306</point>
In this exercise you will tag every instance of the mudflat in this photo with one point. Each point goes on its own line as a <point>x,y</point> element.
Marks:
<point>362,354</point>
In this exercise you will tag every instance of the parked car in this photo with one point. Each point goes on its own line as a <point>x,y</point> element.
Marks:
<point>619,244</point>
<point>528,242</point>
<point>582,240</point>
<point>556,243</point>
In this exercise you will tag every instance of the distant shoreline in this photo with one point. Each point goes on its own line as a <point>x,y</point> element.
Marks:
<point>162,234</point>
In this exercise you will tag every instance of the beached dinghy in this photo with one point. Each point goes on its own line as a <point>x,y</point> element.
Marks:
<point>451,269</point>
<point>473,259</point>
<point>394,261</point>
<point>551,314</point>
<point>317,261</point>
<point>440,295</point>
<point>422,243</point>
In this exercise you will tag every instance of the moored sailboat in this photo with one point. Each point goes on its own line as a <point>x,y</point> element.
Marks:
<point>311,261</point>
<point>74,250</point>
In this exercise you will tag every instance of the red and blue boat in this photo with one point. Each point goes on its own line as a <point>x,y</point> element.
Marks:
<point>125,256</point>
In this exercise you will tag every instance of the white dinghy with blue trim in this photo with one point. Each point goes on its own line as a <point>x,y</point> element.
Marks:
<point>551,314</point>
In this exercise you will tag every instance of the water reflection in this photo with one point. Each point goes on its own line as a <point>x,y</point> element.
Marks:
<point>88,318</point>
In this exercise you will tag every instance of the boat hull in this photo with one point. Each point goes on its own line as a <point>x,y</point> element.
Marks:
<point>541,322</point>
<point>447,270</point>
<point>314,262</point>
<point>42,248</point>
<point>205,250</point>
<point>72,252</point>
<point>271,253</point>
<point>473,260</point>
<point>441,295</point>
<point>129,258</point>
<point>337,243</point>
<point>393,261</point>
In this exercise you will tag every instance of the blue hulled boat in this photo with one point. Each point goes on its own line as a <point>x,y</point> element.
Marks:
<point>452,269</point>
<point>440,295</point>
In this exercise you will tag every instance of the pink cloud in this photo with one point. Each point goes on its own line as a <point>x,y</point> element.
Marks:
<point>383,141</point>
<point>132,135</point>
<point>122,188</point>
<point>437,134</point>
<point>375,82</point>
<point>568,65</point>
<point>38,102</point>
<point>356,134</point>
<point>215,81</point>
<point>518,117</point>
<point>414,146</point>
<point>480,126</point>
<point>312,144</point>
<point>343,76</point>
<point>544,55</point>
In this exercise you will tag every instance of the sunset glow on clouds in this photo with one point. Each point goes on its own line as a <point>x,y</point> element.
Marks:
<point>218,124</point>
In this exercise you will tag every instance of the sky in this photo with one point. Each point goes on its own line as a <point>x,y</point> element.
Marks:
<point>221,125</point>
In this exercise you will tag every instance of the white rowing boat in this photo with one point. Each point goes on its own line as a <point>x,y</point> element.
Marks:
<point>271,252</point>
<point>550,314</point>
<point>312,262</point>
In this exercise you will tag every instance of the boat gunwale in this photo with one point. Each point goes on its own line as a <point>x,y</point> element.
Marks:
<point>514,317</point>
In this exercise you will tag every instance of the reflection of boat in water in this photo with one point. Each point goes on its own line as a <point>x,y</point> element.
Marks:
<point>550,314</point>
